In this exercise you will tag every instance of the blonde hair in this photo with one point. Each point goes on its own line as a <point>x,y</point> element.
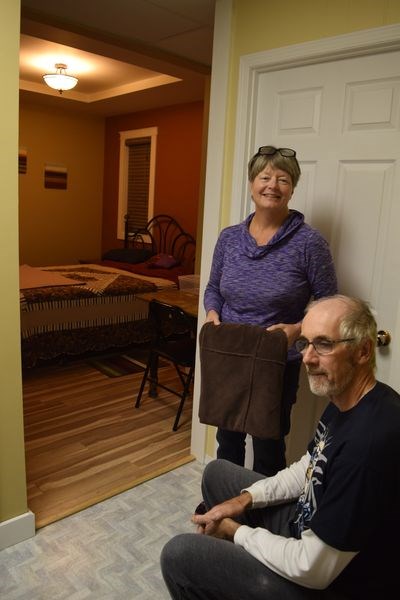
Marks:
<point>289,164</point>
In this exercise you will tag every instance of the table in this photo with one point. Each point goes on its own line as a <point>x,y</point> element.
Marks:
<point>187,301</point>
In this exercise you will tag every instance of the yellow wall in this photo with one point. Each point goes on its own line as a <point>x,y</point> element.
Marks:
<point>12,460</point>
<point>60,226</point>
<point>264,24</point>
<point>260,25</point>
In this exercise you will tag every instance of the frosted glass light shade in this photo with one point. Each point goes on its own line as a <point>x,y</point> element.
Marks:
<point>60,80</point>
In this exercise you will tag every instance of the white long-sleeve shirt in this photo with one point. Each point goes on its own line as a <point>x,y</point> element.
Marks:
<point>308,561</point>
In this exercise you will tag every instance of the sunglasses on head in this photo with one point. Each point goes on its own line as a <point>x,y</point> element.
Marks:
<point>271,150</point>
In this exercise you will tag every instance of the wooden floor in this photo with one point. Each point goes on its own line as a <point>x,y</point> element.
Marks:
<point>85,441</point>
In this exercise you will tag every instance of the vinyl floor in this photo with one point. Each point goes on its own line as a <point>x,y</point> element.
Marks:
<point>109,551</point>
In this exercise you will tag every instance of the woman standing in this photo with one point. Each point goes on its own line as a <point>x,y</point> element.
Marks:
<point>264,272</point>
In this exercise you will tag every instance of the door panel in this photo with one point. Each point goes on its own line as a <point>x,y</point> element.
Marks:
<point>343,118</point>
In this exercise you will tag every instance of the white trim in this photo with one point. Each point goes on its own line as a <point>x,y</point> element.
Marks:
<point>394,374</point>
<point>213,185</point>
<point>17,530</point>
<point>150,132</point>
<point>359,43</point>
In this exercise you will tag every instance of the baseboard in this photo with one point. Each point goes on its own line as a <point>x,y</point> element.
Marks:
<point>208,458</point>
<point>17,529</point>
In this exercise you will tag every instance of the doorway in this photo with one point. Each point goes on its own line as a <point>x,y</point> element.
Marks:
<point>277,106</point>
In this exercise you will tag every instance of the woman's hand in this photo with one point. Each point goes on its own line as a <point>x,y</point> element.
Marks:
<point>213,317</point>
<point>292,331</point>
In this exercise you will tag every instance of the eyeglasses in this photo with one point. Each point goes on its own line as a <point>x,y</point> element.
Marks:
<point>321,346</point>
<point>271,150</point>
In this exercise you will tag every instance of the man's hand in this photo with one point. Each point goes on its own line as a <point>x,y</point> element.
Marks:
<point>224,529</point>
<point>218,521</point>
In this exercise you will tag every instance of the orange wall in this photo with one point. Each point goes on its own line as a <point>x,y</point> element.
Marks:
<point>60,226</point>
<point>178,164</point>
<point>63,226</point>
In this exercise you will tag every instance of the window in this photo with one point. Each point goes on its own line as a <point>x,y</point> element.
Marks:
<point>136,177</point>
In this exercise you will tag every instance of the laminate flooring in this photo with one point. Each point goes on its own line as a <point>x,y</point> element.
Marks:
<point>85,441</point>
<point>109,551</point>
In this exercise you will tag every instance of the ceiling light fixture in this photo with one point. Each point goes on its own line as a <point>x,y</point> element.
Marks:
<point>60,80</point>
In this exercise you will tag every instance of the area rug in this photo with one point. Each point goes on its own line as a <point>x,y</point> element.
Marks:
<point>118,365</point>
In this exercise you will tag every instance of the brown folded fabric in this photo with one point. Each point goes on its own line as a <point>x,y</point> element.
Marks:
<point>242,369</point>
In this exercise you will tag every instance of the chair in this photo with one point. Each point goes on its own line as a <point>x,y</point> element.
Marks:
<point>175,342</point>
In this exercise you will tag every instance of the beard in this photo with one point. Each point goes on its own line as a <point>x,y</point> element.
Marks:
<point>321,385</point>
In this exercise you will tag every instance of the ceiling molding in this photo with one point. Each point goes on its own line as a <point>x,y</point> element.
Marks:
<point>141,77</point>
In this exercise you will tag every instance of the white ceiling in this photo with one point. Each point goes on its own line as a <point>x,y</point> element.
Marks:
<point>128,55</point>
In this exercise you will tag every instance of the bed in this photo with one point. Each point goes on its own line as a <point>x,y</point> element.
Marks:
<point>161,249</point>
<point>71,310</point>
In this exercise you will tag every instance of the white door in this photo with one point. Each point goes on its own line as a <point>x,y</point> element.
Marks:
<point>343,119</point>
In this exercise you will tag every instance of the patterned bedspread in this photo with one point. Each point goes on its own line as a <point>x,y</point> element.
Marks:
<point>105,296</point>
<point>95,281</point>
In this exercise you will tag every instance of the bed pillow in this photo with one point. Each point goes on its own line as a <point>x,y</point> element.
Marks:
<point>128,255</point>
<point>162,261</point>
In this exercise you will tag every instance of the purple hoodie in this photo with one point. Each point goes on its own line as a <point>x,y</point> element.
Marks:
<point>265,285</point>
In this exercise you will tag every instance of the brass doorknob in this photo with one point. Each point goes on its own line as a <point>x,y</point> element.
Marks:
<point>383,338</point>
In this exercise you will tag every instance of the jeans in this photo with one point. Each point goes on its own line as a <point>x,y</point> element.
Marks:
<point>199,567</point>
<point>269,454</point>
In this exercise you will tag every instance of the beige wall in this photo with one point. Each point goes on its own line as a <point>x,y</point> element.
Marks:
<point>12,460</point>
<point>259,25</point>
<point>60,226</point>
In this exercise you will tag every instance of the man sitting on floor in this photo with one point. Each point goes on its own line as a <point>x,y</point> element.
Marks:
<point>325,526</point>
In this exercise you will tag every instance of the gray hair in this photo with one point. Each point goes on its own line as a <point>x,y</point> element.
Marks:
<point>358,322</point>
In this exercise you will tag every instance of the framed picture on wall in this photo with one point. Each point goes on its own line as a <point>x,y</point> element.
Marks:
<point>55,177</point>
<point>22,161</point>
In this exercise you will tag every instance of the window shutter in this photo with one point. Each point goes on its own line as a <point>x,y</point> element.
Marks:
<point>138,181</point>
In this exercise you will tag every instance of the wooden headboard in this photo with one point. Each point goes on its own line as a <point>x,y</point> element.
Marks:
<point>163,235</point>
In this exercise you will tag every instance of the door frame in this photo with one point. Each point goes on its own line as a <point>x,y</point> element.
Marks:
<point>360,43</point>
